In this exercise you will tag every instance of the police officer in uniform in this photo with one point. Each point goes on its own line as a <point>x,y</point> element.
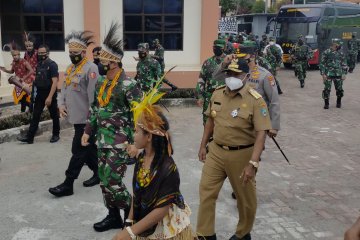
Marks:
<point>238,121</point>
<point>45,86</point>
<point>77,94</point>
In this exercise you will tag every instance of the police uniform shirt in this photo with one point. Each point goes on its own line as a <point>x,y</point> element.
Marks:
<point>237,118</point>
<point>264,83</point>
<point>79,95</point>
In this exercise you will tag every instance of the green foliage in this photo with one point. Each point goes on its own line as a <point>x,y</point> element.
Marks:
<point>258,7</point>
<point>227,6</point>
<point>20,120</point>
<point>244,6</point>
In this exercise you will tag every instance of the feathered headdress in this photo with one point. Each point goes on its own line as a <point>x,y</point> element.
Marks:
<point>112,48</point>
<point>11,47</point>
<point>147,115</point>
<point>79,41</point>
<point>28,38</point>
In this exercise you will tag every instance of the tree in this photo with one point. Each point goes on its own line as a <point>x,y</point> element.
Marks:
<point>227,6</point>
<point>243,6</point>
<point>258,7</point>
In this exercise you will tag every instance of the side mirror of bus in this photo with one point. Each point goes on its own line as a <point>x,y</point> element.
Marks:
<point>267,31</point>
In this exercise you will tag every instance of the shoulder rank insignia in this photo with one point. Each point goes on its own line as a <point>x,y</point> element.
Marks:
<point>220,87</point>
<point>254,93</point>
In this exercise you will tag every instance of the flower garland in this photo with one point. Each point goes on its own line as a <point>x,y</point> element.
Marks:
<point>77,70</point>
<point>104,102</point>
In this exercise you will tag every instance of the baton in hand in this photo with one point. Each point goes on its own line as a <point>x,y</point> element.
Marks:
<point>280,150</point>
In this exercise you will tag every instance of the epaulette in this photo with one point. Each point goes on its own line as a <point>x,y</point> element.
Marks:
<point>254,93</point>
<point>220,87</point>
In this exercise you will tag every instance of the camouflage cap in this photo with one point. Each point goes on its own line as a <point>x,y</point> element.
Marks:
<point>300,36</point>
<point>219,43</point>
<point>156,41</point>
<point>143,47</point>
<point>272,39</point>
<point>264,36</point>
<point>238,65</point>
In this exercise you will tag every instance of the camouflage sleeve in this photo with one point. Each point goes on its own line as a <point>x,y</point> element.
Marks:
<point>161,54</point>
<point>133,92</point>
<point>157,69</point>
<point>322,63</point>
<point>344,65</point>
<point>310,54</point>
<point>200,86</point>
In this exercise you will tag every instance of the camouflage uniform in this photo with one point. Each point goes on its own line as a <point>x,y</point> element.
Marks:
<point>148,70</point>
<point>113,126</point>
<point>273,55</point>
<point>333,66</point>
<point>301,53</point>
<point>263,43</point>
<point>262,62</point>
<point>207,84</point>
<point>159,53</point>
<point>353,49</point>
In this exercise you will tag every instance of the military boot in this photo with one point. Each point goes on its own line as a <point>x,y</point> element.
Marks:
<point>302,83</point>
<point>351,70</point>
<point>64,189</point>
<point>326,106</point>
<point>338,102</point>
<point>246,237</point>
<point>112,221</point>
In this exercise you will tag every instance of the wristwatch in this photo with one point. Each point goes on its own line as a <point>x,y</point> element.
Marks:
<point>255,164</point>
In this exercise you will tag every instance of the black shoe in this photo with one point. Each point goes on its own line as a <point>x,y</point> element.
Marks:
<point>326,106</point>
<point>280,92</point>
<point>246,237</point>
<point>62,190</point>
<point>302,84</point>
<point>25,139</point>
<point>54,138</point>
<point>112,221</point>
<point>338,102</point>
<point>92,181</point>
<point>213,237</point>
<point>233,195</point>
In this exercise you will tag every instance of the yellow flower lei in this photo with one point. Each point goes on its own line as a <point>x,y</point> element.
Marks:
<point>104,102</point>
<point>77,70</point>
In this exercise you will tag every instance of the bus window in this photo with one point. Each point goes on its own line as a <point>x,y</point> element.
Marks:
<point>299,12</point>
<point>291,31</point>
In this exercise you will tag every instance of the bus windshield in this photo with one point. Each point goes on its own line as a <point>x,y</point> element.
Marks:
<point>291,31</point>
<point>299,12</point>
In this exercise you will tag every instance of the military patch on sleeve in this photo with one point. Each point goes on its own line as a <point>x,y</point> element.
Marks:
<point>254,93</point>
<point>271,80</point>
<point>263,112</point>
<point>93,75</point>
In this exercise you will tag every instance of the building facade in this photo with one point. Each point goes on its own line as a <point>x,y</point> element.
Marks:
<point>186,28</point>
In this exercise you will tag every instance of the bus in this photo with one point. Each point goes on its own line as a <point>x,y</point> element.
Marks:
<point>318,23</point>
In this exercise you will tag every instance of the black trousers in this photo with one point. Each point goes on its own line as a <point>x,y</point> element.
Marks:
<point>82,155</point>
<point>37,111</point>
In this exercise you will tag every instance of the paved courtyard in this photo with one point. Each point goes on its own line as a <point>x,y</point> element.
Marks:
<point>316,197</point>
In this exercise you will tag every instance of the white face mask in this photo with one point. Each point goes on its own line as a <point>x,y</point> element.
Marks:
<point>271,43</point>
<point>233,83</point>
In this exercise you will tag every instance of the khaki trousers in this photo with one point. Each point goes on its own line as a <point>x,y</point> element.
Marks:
<point>219,164</point>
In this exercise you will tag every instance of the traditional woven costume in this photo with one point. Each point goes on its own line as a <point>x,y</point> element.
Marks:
<point>30,56</point>
<point>112,122</point>
<point>159,186</point>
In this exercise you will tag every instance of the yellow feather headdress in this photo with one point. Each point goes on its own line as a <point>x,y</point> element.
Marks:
<point>145,114</point>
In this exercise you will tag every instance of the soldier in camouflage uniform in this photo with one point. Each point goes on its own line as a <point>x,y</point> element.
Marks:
<point>301,53</point>
<point>76,96</point>
<point>206,84</point>
<point>273,54</point>
<point>263,43</point>
<point>148,70</point>
<point>159,54</point>
<point>333,68</point>
<point>111,120</point>
<point>353,49</point>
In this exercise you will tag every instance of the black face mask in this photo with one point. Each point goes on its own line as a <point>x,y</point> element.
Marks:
<point>103,69</point>
<point>218,51</point>
<point>75,59</point>
<point>301,42</point>
<point>42,58</point>
<point>142,55</point>
<point>30,53</point>
<point>96,61</point>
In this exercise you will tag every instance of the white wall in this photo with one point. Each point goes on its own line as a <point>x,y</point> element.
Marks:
<point>186,60</point>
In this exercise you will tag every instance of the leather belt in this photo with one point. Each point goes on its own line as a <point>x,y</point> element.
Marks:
<point>232,148</point>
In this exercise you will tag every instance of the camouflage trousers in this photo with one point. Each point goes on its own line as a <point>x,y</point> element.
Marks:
<point>351,61</point>
<point>300,68</point>
<point>338,87</point>
<point>112,168</point>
